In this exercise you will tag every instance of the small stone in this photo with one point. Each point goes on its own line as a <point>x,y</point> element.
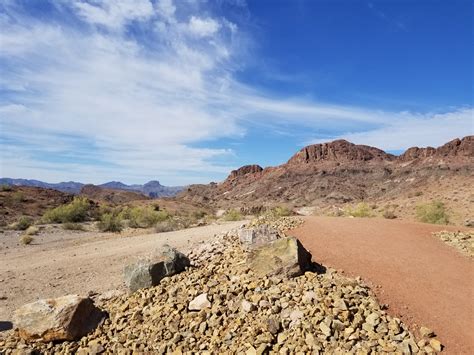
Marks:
<point>199,303</point>
<point>426,332</point>
<point>247,306</point>
<point>436,344</point>
<point>325,329</point>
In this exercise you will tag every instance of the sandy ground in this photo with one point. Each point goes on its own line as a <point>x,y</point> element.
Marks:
<point>64,262</point>
<point>423,280</point>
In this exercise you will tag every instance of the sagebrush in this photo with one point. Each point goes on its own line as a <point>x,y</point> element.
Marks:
<point>434,212</point>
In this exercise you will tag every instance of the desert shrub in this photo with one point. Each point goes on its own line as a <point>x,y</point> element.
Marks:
<point>144,217</point>
<point>73,212</point>
<point>418,193</point>
<point>110,222</point>
<point>26,239</point>
<point>199,214</point>
<point>23,223</point>
<point>232,215</point>
<point>389,214</point>
<point>73,226</point>
<point>6,188</point>
<point>361,210</point>
<point>281,211</point>
<point>166,226</point>
<point>434,212</point>
<point>32,230</point>
<point>18,197</point>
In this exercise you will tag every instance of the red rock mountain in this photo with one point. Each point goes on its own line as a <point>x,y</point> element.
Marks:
<point>337,172</point>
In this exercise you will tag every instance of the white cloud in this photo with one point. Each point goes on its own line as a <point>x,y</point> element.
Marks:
<point>203,27</point>
<point>96,105</point>
<point>114,13</point>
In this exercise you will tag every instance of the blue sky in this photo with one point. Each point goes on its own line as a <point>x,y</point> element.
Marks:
<point>184,91</point>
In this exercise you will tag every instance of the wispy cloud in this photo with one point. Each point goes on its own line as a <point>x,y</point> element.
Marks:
<point>128,89</point>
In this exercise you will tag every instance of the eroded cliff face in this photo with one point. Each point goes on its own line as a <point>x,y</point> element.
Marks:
<point>340,172</point>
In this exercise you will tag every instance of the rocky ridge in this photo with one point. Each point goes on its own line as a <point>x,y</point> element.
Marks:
<point>340,172</point>
<point>220,305</point>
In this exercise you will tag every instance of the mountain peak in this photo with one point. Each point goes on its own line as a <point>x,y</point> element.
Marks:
<point>337,151</point>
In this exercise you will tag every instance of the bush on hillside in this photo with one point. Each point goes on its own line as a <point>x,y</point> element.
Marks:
<point>361,210</point>
<point>166,226</point>
<point>6,188</point>
<point>23,223</point>
<point>110,222</point>
<point>434,212</point>
<point>73,212</point>
<point>281,211</point>
<point>232,215</point>
<point>144,217</point>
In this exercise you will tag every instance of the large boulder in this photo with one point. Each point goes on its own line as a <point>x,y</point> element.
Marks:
<point>257,236</point>
<point>65,318</point>
<point>285,257</point>
<point>149,272</point>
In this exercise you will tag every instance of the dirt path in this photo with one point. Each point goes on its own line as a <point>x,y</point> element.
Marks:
<point>72,262</point>
<point>424,281</point>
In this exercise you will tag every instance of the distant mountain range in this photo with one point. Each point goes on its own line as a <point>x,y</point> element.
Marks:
<point>152,189</point>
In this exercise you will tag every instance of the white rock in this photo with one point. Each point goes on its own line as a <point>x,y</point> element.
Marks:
<point>200,302</point>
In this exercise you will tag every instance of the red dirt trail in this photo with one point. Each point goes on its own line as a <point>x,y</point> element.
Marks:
<point>424,281</point>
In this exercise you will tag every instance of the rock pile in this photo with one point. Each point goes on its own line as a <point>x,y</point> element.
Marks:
<point>223,306</point>
<point>463,241</point>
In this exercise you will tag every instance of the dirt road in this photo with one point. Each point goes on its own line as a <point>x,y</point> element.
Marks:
<point>70,262</point>
<point>423,280</point>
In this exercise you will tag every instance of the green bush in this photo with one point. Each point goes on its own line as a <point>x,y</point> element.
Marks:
<point>144,217</point>
<point>360,211</point>
<point>73,226</point>
<point>23,223</point>
<point>434,212</point>
<point>6,187</point>
<point>110,222</point>
<point>232,215</point>
<point>281,211</point>
<point>73,212</point>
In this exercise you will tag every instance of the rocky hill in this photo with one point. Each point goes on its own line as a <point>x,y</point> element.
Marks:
<point>151,189</point>
<point>29,201</point>
<point>339,172</point>
<point>111,196</point>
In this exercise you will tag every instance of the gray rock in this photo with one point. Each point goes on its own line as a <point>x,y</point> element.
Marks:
<point>65,318</point>
<point>257,236</point>
<point>149,272</point>
<point>285,257</point>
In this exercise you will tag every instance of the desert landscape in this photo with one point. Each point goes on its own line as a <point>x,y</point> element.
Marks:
<point>253,177</point>
<point>376,266</point>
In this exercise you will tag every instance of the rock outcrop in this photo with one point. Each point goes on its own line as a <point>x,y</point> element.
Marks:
<point>338,151</point>
<point>149,272</point>
<point>64,318</point>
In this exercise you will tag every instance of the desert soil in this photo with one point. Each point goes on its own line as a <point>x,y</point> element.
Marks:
<point>424,281</point>
<point>64,262</point>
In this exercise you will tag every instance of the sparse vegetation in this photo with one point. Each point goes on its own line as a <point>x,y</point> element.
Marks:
<point>73,226</point>
<point>232,215</point>
<point>73,212</point>
<point>166,226</point>
<point>23,223</point>
<point>6,188</point>
<point>389,214</point>
<point>18,197</point>
<point>32,230</point>
<point>26,239</point>
<point>361,210</point>
<point>144,217</point>
<point>281,211</point>
<point>110,222</point>
<point>434,212</point>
